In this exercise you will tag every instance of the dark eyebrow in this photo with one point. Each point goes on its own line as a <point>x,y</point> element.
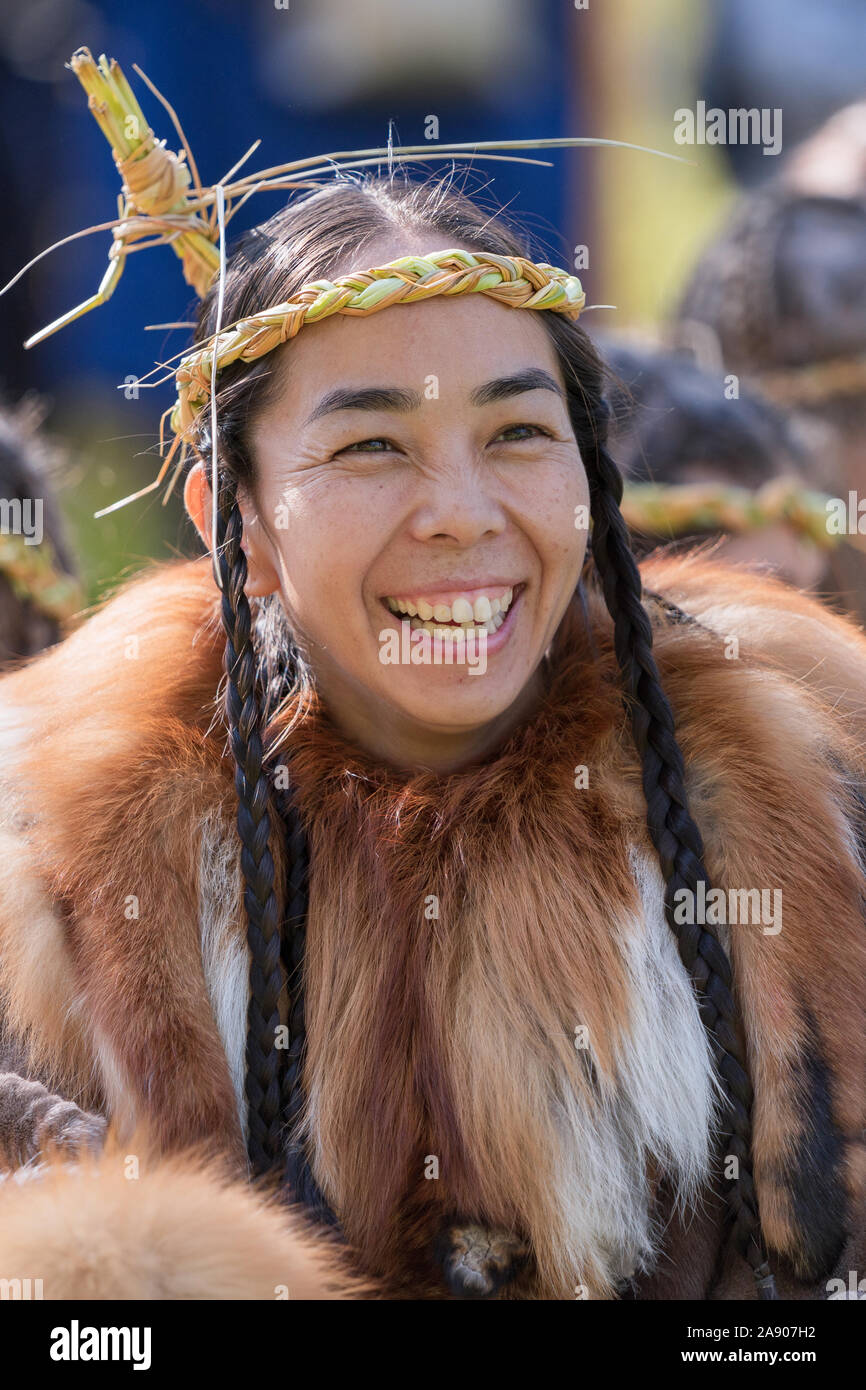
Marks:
<point>532,379</point>
<point>395,398</point>
<point>371,398</point>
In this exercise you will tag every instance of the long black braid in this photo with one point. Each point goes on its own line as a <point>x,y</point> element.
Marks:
<point>674,834</point>
<point>244,718</point>
<point>299,1180</point>
<point>274,1080</point>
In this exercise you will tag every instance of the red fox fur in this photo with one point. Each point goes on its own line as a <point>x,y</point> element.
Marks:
<point>529,1054</point>
<point>176,1230</point>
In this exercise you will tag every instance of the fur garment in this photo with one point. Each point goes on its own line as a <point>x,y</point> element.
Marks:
<point>500,1030</point>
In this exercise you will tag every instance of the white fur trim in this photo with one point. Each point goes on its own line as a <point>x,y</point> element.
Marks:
<point>661,1108</point>
<point>224,952</point>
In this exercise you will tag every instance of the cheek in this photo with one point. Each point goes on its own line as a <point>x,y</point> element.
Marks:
<point>554,512</point>
<point>328,532</point>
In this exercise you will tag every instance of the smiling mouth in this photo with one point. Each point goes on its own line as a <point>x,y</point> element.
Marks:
<point>486,612</point>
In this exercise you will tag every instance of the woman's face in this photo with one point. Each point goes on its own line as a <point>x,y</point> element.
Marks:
<point>419,467</point>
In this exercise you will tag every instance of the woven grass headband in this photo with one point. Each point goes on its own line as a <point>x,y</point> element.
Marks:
<point>164,203</point>
<point>510,280</point>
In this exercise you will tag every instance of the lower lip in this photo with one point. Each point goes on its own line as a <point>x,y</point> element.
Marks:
<point>495,640</point>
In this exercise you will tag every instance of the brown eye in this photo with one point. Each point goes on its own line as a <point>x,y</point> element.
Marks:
<point>519,433</point>
<point>364,446</point>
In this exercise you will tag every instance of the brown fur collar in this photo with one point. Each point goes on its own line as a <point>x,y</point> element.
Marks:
<point>462,929</point>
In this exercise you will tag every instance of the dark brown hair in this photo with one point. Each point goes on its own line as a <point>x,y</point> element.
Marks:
<point>307,240</point>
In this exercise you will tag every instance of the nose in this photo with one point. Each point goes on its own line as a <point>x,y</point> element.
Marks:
<point>457,503</point>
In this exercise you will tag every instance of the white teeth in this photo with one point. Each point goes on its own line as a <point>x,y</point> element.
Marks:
<point>482,610</point>
<point>498,619</point>
<point>480,613</point>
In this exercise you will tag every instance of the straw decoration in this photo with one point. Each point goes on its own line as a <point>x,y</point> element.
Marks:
<point>681,509</point>
<point>163,202</point>
<point>513,281</point>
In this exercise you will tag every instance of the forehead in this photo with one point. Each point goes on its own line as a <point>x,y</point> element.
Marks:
<point>462,341</point>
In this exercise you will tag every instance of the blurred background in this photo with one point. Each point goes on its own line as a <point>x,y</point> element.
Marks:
<point>740,266</point>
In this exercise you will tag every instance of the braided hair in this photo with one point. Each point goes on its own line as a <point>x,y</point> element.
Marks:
<point>674,834</point>
<point>306,240</point>
<point>243,713</point>
<point>273,1086</point>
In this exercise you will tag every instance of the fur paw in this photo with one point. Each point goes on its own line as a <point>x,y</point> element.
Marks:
<point>34,1121</point>
<point>477,1261</point>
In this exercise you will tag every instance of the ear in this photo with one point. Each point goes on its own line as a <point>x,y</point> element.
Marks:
<point>262,574</point>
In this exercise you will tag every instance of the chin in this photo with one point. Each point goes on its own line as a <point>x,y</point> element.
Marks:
<point>459,709</point>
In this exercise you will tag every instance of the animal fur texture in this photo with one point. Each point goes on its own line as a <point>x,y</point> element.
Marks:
<point>500,1032</point>
<point>171,1229</point>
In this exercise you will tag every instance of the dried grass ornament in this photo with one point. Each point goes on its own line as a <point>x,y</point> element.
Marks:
<point>164,203</point>
<point>668,510</point>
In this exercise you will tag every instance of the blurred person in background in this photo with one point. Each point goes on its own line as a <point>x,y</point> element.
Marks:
<point>804,58</point>
<point>704,468</point>
<point>779,299</point>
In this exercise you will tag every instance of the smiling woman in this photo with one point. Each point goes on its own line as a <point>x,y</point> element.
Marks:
<point>473,1035</point>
